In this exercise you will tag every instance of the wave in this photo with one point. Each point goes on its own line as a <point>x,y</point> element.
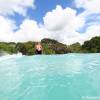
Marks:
<point>8,56</point>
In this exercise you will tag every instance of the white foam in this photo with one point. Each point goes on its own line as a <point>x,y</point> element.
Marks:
<point>8,56</point>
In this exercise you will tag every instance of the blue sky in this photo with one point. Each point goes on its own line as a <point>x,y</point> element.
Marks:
<point>42,7</point>
<point>67,21</point>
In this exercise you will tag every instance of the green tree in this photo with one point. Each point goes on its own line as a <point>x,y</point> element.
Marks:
<point>75,48</point>
<point>92,46</point>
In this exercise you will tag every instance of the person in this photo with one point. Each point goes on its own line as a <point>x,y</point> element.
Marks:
<point>38,48</point>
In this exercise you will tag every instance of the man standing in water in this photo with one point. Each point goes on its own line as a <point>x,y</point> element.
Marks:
<point>38,48</point>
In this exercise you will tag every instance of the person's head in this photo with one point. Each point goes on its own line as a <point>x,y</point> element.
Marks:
<point>38,43</point>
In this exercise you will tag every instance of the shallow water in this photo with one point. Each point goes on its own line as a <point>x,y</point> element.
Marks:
<point>55,77</point>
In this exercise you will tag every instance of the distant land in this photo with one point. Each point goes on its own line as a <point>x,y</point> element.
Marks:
<point>50,47</point>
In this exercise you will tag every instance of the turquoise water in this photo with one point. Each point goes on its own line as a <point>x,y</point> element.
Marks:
<point>56,77</point>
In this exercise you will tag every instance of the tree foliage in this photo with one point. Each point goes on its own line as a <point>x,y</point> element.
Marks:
<point>51,46</point>
<point>92,46</point>
<point>75,48</point>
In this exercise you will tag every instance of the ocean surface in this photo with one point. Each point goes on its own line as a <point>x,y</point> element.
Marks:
<point>50,77</point>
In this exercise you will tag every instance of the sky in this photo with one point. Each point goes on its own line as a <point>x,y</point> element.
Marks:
<point>67,21</point>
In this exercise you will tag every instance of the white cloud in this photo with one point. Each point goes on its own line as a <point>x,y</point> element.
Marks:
<point>92,31</point>
<point>60,24</point>
<point>6,28</point>
<point>91,6</point>
<point>59,30</point>
<point>18,6</point>
<point>6,25</point>
<point>29,30</point>
<point>60,18</point>
<point>63,24</point>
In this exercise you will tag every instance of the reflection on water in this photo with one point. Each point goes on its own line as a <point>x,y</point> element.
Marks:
<point>58,77</point>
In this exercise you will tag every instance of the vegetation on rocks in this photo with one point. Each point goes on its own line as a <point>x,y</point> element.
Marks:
<point>51,46</point>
